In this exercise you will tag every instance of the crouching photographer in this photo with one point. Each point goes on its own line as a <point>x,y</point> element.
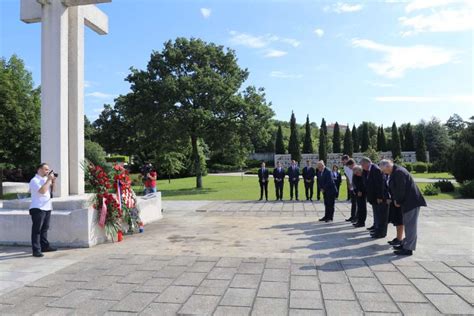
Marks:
<point>41,188</point>
<point>149,178</point>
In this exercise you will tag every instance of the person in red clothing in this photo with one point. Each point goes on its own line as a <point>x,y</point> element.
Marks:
<point>149,177</point>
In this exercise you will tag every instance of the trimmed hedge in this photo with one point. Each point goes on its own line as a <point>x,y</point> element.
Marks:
<point>431,190</point>
<point>445,186</point>
<point>467,189</point>
<point>117,158</point>
<point>408,166</point>
<point>420,167</point>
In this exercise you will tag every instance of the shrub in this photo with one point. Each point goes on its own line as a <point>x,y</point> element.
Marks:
<point>253,163</point>
<point>94,153</point>
<point>444,186</point>
<point>437,166</point>
<point>462,167</point>
<point>467,189</point>
<point>408,166</point>
<point>218,167</point>
<point>420,167</point>
<point>431,189</point>
<point>117,158</point>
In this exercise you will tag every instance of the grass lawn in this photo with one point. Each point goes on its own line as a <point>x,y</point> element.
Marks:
<point>433,175</point>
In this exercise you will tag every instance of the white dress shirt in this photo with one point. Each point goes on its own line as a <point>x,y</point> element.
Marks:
<point>40,200</point>
<point>348,171</point>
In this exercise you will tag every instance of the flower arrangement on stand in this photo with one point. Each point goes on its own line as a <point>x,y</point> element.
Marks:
<point>114,199</point>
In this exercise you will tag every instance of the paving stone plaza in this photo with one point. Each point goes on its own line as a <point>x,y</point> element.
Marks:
<point>251,258</point>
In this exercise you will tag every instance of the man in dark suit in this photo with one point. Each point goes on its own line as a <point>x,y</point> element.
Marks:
<point>373,180</point>
<point>405,194</point>
<point>263,176</point>
<point>293,178</point>
<point>318,185</point>
<point>328,188</point>
<point>278,178</point>
<point>308,176</point>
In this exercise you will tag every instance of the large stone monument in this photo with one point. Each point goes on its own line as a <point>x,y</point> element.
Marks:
<point>62,83</point>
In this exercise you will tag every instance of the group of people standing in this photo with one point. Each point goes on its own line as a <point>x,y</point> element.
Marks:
<point>387,187</point>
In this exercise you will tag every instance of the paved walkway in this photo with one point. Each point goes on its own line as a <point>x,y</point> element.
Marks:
<point>241,258</point>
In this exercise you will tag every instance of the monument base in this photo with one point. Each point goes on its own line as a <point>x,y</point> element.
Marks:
<point>74,223</point>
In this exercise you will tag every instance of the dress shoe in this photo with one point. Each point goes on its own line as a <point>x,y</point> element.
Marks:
<point>349,219</point>
<point>377,236</point>
<point>371,227</point>
<point>398,247</point>
<point>38,254</point>
<point>403,252</point>
<point>322,219</point>
<point>394,242</point>
<point>296,199</point>
<point>260,199</point>
<point>357,225</point>
<point>49,249</point>
<point>328,220</point>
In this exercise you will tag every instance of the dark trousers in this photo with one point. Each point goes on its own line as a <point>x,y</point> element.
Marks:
<point>337,193</point>
<point>279,189</point>
<point>308,189</point>
<point>264,188</point>
<point>329,201</point>
<point>353,196</point>
<point>294,188</point>
<point>318,191</point>
<point>39,230</point>
<point>361,209</point>
<point>380,218</point>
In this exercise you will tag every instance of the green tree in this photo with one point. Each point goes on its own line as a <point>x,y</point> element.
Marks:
<point>383,139</point>
<point>455,125</point>
<point>401,136</point>
<point>462,152</point>
<point>365,140</point>
<point>355,139</point>
<point>279,144</point>
<point>19,116</point>
<point>420,146</point>
<point>336,139</point>
<point>409,138</point>
<point>396,147</point>
<point>379,140</point>
<point>94,153</point>
<point>308,140</point>
<point>293,144</point>
<point>438,142</point>
<point>348,142</point>
<point>171,163</point>
<point>323,147</point>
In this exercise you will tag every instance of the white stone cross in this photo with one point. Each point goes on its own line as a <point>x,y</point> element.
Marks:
<point>62,83</point>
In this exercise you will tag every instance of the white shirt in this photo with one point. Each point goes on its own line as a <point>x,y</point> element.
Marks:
<point>39,200</point>
<point>348,171</point>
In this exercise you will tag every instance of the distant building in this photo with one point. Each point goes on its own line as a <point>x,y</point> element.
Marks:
<point>342,128</point>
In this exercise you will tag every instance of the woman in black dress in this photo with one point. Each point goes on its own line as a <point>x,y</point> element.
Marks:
<point>395,215</point>
<point>336,175</point>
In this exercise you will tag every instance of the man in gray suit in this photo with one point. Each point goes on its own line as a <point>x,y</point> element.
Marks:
<point>405,194</point>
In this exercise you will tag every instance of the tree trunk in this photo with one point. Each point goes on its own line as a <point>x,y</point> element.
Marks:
<point>197,162</point>
<point>169,177</point>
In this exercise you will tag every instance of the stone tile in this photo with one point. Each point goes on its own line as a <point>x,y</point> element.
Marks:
<point>229,262</point>
<point>137,277</point>
<point>450,304</point>
<point>453,279</point>
<point>332,277</point>
<point>248,281</point>
<point>199,305</point>
<point>100,283</point>
<point>366,285</point>
<point>306,312</point>
<point>273,290</point>
<point>343,308</point>
<point>358,271</point>
<point>162,309</point>
<point>222,273</point>
<point>201,266</point>
<point>170,272</point>
<point>134,302</point>
<point>208,259</point>
<point>378,306</point>
<point>415,272</point>
<point>94,307</point>
<point>337,291</point>
<point>19,295</point>
<point>53,311</point>
<point>467,272</point>
<point>270,306</point>
<point>418,309</point>
<point>276,275</point>
<point>190,278</point>
<point>116,292</point>
<point>431,286</point>
<point>435,266</point>
<point>306,300</point>
<point>153,265</point>
<point>159,284</point>
<point>212,287</point>
<point>113,313</point>
<point>405,293</point>
<point>386,266</point>
<point>277,263</point>
<point>182,261</point>
<point>175,294</point>
<point>254,260</point>
<point>238,297</point>
<point>304,282</point>
<point>121,270</point>
<point>34,304</point>
<point>251,268</point>
<point>74,299</point>
<point>303,269</point>
<point>466,293</point>
<point>391,278</point>
<point>232,311</point>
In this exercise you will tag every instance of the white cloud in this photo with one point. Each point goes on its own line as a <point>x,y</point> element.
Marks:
<point>290,41</point>
<point>399,59</point>
<point>253,41</point>
<point>284,75</point>
<point>380,84</point>
<point>100,95</point>
<point>275,53</point>
<point>342,7</point>
<point>438,16</point>
<point>319,32</point>
<point>422,99</point>
<point>206,12</point>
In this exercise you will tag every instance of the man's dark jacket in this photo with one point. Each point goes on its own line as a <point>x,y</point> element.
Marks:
<point>404,190</point>
<point>309,173</point>
<point>263,175</point>
<point>293,173</point>
<point>278,174</point>
<point>326,182</point>
<point>373,180</point>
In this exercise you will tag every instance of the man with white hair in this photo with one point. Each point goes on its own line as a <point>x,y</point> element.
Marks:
<point>405,194</point>
<point>329,190</point>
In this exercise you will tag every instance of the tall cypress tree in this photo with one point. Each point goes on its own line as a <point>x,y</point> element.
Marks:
<point>420,146</point>
<point>323,141</point>
<point>379,139</point>
<point>348,142</point>
<point>293,143</point>
<point>383,139</point>
<point>308,141</point>
<point>336,139</point>
<point>409,139</point>
<point>279,145</point>
<point>396,147</point>
<point>355,139</point>
<point>365,140</point>
<point>401,135</point>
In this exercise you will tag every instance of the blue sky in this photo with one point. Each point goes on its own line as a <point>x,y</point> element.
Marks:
<point>344,61</point>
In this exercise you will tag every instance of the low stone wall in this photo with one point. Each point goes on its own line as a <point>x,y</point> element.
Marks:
<point>73,221</point>
<point>15,187</point>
